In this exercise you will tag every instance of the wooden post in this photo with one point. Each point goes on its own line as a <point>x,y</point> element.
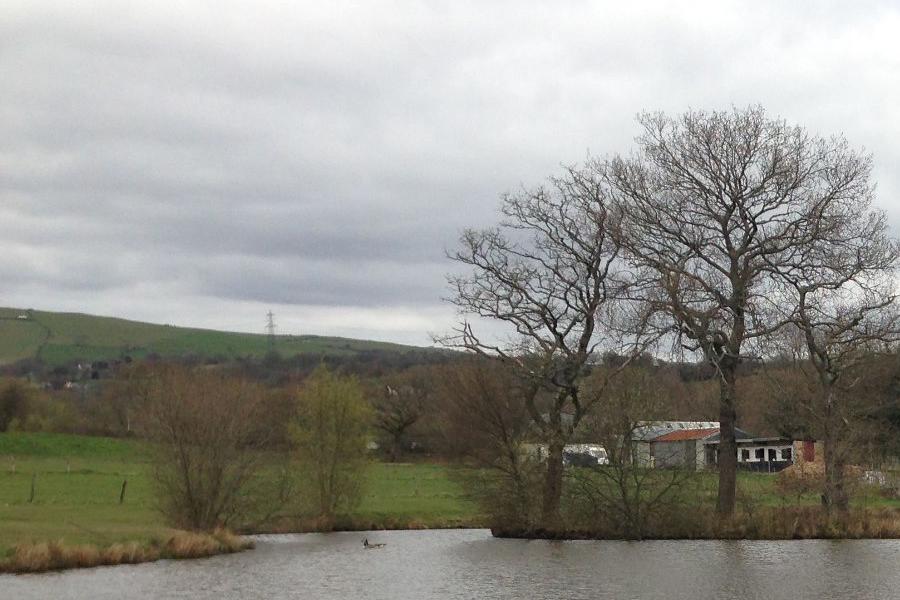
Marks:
<point>122,493</point>
<point>31,496</point>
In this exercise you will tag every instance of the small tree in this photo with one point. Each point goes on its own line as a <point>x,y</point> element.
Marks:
<point>13,402</point>
<point>209,433</point>
<point>331,434</point>
<point>625,494</point>
<point>839,343</point>
<point>399,403</point>
<point>487,422</point>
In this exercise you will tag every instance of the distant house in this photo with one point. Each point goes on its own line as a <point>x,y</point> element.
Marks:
<point>695,444</point>
<point>648,432</point>
<point>682,448</point>
<point>768,454</point>
<point>688,445</point>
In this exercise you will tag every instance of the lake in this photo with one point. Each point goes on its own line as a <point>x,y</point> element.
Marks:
<point>421,565</point>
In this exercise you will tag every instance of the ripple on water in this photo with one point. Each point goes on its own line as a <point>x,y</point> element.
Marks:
<point>451,564</point>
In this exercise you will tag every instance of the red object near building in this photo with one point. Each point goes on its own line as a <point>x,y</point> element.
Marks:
<point>809,450</point>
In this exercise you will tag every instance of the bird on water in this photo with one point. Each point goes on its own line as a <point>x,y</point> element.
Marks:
<point>369,546</point>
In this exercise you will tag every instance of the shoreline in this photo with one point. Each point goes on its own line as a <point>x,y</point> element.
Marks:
<point>773,524</point>
<point>53,556</point>
<point>35,558</point>
<point>44,557</point>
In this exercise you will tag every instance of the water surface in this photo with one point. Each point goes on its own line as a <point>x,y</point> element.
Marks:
<point>423,565</point>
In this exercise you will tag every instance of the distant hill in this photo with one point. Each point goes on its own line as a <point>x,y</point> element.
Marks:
<point>57,338</point>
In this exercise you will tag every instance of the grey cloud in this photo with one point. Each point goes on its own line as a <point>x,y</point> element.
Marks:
<point>326,154</point>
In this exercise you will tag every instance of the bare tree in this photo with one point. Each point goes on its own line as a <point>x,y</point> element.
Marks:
<point>486,421</point>
<point>399,403</point>
<point>210,433</point>
<point>548,273</point>
<point>713,206</point>
<point>842,299</point>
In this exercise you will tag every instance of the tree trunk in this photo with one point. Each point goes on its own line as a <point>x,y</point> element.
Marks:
<point>835,493</point>
<point>727,456</point>
<point>396,448</point>
<point>553,484</point>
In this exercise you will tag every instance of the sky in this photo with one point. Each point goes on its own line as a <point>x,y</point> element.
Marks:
<point>200,163</point>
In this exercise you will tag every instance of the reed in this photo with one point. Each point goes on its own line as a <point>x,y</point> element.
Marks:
<point>56,555</point>
<point>765,523</point>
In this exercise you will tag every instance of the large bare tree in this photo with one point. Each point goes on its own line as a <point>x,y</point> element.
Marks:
<point>549,273</point>
<point>842,301</point>
<point>714,205</point>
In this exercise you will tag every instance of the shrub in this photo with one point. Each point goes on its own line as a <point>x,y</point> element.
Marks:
<point>331,434</point>
<point>211,435</point>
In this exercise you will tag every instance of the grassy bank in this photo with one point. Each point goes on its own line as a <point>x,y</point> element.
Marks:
<point>60,504</point>
<point>768,507</point>
<point>767,523</point>
<point>52,556</point>
<point>78,482</point>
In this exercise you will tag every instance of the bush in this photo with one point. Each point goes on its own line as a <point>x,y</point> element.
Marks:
<point>13,403</point>
<point>211,435</point>
<point>806,478</point>
<point>331,434</point>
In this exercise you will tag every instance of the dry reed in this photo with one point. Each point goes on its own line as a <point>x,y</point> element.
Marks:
<point>54,556</point>
<point>760,524</point>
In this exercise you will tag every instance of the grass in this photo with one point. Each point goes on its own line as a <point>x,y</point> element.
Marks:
<point>75,515</point>
<point>58,338</point>
<point>78,480</point>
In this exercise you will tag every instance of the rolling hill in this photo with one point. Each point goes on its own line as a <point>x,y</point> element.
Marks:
<point>57,338</point>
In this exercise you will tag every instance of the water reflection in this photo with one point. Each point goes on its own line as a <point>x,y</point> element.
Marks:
<point>471,564</point>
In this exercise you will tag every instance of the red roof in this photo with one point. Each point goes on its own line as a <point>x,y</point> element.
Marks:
<point>685,434</point>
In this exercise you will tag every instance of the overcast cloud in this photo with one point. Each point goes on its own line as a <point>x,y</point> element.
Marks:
<point>199,165</point>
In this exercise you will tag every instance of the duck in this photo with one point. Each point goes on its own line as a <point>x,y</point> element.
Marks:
<point>369,546</point>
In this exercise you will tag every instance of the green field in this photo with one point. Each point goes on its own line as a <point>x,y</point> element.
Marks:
<point>78,480</point>
<point>60,337</point>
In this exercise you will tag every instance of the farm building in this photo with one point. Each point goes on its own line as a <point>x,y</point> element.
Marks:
<point>680,448</point>
<point>648,432</point>
<point>768,454</point>
<point>694,445</point>
<point>689,445</point>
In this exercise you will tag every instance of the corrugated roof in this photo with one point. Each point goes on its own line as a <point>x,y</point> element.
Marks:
<point>739,434</point>
<point>650,430</point>
<point>686,434</point>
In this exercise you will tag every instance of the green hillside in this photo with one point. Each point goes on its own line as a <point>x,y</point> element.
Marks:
<point>60,337</point>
